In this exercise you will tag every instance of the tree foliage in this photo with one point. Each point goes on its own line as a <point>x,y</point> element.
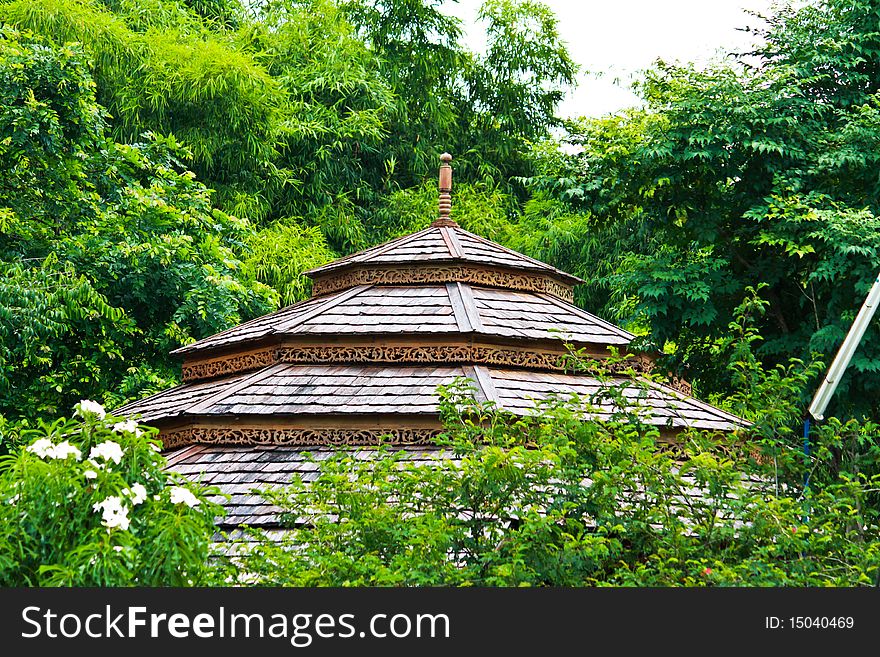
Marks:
<point>484,107</point>
<point>756,171</point>
<point>169,168</point>
<point>553,500</point>
<point>314,108</point>
<point>111,254</point>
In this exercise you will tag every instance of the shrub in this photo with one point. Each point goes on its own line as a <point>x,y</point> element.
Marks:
<point>86,502</point>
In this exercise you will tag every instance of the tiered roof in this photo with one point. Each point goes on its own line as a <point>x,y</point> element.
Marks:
<point>361,360</point>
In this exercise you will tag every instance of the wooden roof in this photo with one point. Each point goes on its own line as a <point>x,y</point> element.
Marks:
<point>447,243</point>
<point>362,359</point>
<point>364,390</point>
<point>453,308</point>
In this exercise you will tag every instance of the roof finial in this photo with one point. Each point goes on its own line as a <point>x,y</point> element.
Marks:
<point>445,192</point>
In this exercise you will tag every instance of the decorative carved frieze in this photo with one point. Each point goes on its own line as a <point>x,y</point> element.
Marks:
<point>640,364</point>
<point>484,355</point>
<point>296,437</point>
<point>443,274</point>
<point>470,354</point>
<point>193,371</point>
<point>421,354</point>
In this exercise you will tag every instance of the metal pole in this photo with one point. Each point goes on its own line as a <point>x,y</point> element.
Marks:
<point>845,353</point>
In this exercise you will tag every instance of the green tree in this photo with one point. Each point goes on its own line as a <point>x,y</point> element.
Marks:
<point>317,109</point>
<point>158,67</point>
<point>483,107</point>
<point>753,172</point>
<point>111,254</point>
<point>281,252</point>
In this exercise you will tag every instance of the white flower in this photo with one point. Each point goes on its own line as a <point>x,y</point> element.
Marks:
<point>92,407</point>
<point>90,474</point>
<point>118,548</point>
<point>108,450</point>
<point>65,449</point>
<point>181,495</point>
<point>44,448</point>
<point>129,426</point>
<point>14,499</point>
<point>155,447</point>
<point>137,493</point>
<point>114,513</point>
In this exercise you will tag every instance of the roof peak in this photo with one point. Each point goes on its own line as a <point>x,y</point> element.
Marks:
<point>442,252</point>
<point>444,245</point>
<point>444,199</point>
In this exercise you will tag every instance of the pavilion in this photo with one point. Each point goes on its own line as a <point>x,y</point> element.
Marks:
<point>359,362</point>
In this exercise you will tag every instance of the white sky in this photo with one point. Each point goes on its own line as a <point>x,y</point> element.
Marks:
<point>617,38</point>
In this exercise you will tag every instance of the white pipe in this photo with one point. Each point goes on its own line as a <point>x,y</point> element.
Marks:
<point>845,353</point>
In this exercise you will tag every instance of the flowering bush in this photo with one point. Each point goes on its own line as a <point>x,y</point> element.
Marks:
<point>86,502</point>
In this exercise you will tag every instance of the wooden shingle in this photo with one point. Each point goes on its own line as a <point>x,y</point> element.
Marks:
<point>355,363</point>
<point>428,309</point>
<point>352,390</point>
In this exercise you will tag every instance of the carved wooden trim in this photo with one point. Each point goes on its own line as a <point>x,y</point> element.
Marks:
<point>193,371</point>
<point>642,364</point>
<point>524,281</point>
<point>471,354</point>
<point>679,384</point>
<point>421,354</point>
<point>639,363</point>
<point>374,354</point>
<point>296,437</point>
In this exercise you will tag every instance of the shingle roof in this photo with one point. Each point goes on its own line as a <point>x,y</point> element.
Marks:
<point>383,344</point>
<point>176,400</point>
<point>443,244</point>
<point>426,309</point>
<point>240,471</point>
<point>350,390</point>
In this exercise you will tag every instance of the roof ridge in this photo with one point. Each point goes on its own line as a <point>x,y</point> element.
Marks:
<point>451,240</point>
<point>483,379</point>
<point>327,304</point>
<point>470,306</point>
<point>462,317</point>
<point>585,314</point>
<point>209,401</point>
<point>535,261</point>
